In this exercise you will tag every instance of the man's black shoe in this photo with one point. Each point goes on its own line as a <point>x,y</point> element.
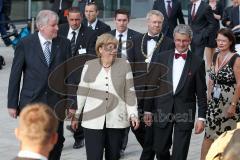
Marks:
<point>78,144</point>
<point>69,127</point>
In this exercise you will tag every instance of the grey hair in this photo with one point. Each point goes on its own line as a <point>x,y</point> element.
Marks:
<point>183,29</point>
<point>154,12</point>
<point>44,16</point>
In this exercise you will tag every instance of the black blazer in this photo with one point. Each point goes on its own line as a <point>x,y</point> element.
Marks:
<point>85,39</point>
<point>66,4</point>
<point>100,28</point>
<point>29,62</point>
<point>227,16</point>
<point>203,24</point>
<point>170,23</point>
<point>139,67</point>
<point>130,42</point>
<point>191,87</point>
<point>234,18</point>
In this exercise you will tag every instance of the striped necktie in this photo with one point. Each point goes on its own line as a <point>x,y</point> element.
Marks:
<point>73,44</point>
<point>47,52</point>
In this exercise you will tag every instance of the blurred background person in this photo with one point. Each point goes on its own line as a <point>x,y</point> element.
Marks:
<point>202,22</point>
<point>106,95</point>
<point>223,86</point>
<point>61,8</point>
<point>226,17</point>
<point>3,30</point>
<point>211,43</point>
<point>37,132</point>
<point>91,20</point>
<point>173,15</point>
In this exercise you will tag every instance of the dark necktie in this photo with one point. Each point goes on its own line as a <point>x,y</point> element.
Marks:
<point>47,52</point>
<point>73,45</point>
<point>169,8</point>
<point>183,55</point>
<point>120,45</point>
<point>193,11</point>
<point>90,27</point>
<point>155,38</point>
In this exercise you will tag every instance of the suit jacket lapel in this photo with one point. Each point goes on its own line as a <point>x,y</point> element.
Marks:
<point>170,65</point>
<point>40,50</point>
<point>54,50</point>
<point>129,43</point>
<point>185,73</point>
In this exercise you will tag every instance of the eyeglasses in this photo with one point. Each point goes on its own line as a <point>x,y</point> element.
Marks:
<point>221,41</point>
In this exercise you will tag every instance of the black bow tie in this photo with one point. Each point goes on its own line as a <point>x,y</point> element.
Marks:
<point>155,38</point>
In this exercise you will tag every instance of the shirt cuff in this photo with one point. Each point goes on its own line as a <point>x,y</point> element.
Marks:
<point>202,119</point>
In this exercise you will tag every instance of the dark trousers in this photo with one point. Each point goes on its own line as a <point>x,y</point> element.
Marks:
<point>198,50</point>
<point>78,134</point>
<point>55,154</point>
<point>144,136</point>
<point>163,142</point>
<point>98,140</point>
<point>124,140</point>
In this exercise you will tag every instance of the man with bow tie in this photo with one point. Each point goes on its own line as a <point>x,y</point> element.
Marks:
<point>178,77</point>
<point>145,51</point>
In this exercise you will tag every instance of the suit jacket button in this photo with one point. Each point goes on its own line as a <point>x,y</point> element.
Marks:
<point>106,84</point>
<point>106,99</point>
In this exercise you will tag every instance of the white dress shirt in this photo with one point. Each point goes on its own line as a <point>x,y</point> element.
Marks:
<point>178,65</point>
<point>31,155</point>
<point>166,4</point>
<point>93,24</point>
<point>150,47</point>
<point>43,40</point>
<point>124,39</point>
<point>70,35</point>
<point>197,6</point>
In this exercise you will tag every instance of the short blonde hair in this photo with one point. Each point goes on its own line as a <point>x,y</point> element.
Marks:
<point>37,123</point>
<point>154,12</point>
<point>105,39</point>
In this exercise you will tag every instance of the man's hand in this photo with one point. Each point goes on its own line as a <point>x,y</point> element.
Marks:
<point>74,123</point>
<point>12,112</point>
<point>134,122</point>
<point>199,126</point>
<point>70,113</point>
<point>148,119</point>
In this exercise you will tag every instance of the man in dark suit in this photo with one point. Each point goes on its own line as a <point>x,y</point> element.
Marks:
<point>146,48</point>
<point>36,56</point>
<point>125,37</point>
<point>37,132</point>
<point>82,42</point>
<point>201,20</point>
<point>227,13</point>
<point>61,8</point>
<point>172,11</point>
<point>177,80</point>
<point>91,20</point>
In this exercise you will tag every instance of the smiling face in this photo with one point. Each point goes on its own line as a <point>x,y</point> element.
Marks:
<point>121,22</point>
<point>155,24</point>
<point>182,42</point>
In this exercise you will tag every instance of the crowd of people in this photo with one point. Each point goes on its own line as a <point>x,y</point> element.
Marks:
<point>110,81</point>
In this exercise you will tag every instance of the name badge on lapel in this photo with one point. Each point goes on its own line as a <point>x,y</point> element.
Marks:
<point>216,91</point>
<point>82,51</point>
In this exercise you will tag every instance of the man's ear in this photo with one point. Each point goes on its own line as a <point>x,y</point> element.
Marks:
<point>54,138</point>
<point>16,131</point>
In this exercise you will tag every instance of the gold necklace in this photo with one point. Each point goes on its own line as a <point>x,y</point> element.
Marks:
<point>147,57</point>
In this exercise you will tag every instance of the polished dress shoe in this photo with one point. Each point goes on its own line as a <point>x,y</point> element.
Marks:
<point>69,127</point>
<point>78,144</point>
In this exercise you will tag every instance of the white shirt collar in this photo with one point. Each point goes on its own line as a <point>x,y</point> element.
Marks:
<point>93,24</point>
<point>176,51</point>
<point>42,39</point>
<point>30,154</point>
<point>123,33</point>
<point>197,5</point>
<point>71,30</point>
